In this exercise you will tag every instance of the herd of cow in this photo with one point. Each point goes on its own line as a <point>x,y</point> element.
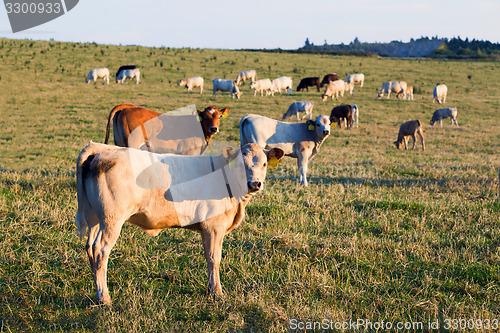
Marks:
<point>110,194</point>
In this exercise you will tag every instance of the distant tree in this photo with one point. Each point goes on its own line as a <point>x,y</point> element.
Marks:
<point>307,42</point>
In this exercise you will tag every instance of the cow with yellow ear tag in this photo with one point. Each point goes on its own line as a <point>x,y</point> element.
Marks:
<point>300,140</point>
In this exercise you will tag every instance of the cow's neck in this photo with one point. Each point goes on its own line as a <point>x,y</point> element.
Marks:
<point>317,145</point>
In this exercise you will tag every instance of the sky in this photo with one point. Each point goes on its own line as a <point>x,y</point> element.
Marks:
<point>264,23</point>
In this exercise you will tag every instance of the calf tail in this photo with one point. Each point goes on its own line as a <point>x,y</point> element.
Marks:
<point>117,108</point>
<point>82,168</point>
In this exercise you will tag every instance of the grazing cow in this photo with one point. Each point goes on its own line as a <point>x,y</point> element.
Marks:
<point>129,74</point>
<point>98,73</point>
<point>192,82</point>
<point>226,85</point>
<point>307,82</point>
<point>440,92</point>
<point>393,86</point>
<point>280,83</point>
<point>409,93</point>
<point>348,87</point>
<point>206,193</point>
<point>261,85</point>
<point>299,140</point>
<point>246,75</point>
<point>445,113</point>
<point>333,89</point>
<point>329,78</point>
<point>344,113</point>
<point>124,67</point>
<point>407,129</point>
<point>353,78</point>
<point>127,118</point>
<point>296,107</point>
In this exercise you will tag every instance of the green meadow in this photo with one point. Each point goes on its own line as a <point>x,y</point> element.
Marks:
<point>380,234</point>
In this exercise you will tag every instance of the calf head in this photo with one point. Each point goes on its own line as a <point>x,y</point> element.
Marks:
<point>236,90</point>
<point>321,126</point>
<point>182,82</point>
<point>398,144</point>
<point>210,120</point>
<point>256,161</point>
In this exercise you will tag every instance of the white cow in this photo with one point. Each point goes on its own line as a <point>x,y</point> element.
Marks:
<point>261,85</point>
<point>192,82</point>
<point>299,140</point>
<point>348,87</point>
<point>393,86</point>
<point>440,92</point>
<point>353,78</point>
<point>334,89</point>
<point>129,74</point>
<point>445,113</point>
<point>284,82</point>
<point>226,85</point>
<point>296,107</point>
<point>98,73</point>
<point>250,74</point>
<point>206,193</point>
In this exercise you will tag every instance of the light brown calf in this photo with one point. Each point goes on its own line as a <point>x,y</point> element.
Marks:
<point>127,117</point>
<point>114,186</point>
<point>407,129</point>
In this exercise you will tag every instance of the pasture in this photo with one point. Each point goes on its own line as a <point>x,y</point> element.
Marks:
<point>380,234</point>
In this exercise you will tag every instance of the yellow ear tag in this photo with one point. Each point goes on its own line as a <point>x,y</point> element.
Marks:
<point>311,127</point>
<point>273,162</point>
<point>198,118</point>
<point>224,115</point>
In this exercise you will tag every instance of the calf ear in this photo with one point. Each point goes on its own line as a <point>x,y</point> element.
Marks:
<point>311,125</point>
<point>229,153</point>
<point>197,113</point>
<point>277,153</point>
<point>274,157</point>
<point>225,112</point>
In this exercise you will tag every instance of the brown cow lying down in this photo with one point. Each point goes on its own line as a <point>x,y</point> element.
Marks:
<point>127,118</point>
<point>407,129</point>
<point>205,193</point>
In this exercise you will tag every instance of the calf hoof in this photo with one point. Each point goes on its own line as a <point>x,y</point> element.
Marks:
<point>105,301</point>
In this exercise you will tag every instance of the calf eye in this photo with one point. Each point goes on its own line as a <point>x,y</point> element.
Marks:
<point>265,165</point>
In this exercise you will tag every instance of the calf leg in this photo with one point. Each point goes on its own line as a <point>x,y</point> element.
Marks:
<point>104,242</point>
<point>421,139</point>
<point>441,122</point>
<point>212,244</point>
<point>405,139</point>
<point>414,140</point>
<point>93,229</point>
<point>302,161</point>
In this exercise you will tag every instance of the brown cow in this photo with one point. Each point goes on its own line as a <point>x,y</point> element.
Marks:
<point>407,129</point>
<point>127,117</point>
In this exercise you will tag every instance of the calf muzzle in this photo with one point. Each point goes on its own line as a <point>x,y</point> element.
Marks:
<point>254,186</point>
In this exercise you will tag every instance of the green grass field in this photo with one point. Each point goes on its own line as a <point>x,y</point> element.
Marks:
<point>380,234</point>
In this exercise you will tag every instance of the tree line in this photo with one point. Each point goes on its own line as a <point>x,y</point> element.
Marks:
<point>422,47</point>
